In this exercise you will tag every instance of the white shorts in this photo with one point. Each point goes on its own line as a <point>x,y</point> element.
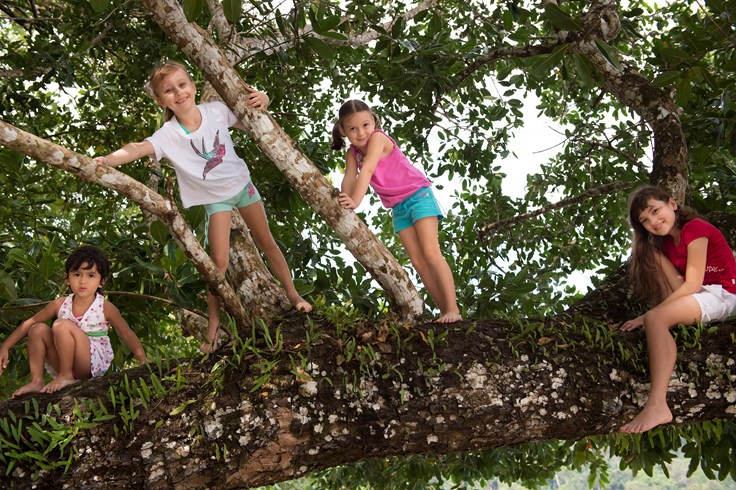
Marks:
<point>715,303</point>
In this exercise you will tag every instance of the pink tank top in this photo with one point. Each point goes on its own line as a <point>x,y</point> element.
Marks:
<point>395,178</point>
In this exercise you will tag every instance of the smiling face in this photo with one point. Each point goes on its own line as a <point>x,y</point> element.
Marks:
<point>85,281</point>
<point>358,128</point>
<point>659,217</point>
<point>176,91</point>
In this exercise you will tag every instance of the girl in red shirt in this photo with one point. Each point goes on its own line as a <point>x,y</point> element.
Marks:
<point>685,267</point>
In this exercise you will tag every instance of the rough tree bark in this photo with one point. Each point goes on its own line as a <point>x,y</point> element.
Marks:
<point>483,385</point>
<point>282,151</point>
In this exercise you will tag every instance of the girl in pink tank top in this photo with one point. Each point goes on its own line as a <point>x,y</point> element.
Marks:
<point>374,159</point>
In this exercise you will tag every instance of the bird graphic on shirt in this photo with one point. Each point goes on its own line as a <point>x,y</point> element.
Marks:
<point>214,157</point>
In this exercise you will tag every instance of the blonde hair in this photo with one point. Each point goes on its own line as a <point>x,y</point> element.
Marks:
<point>346,110</point>
<point>159,72</point>
<point>644,271</point>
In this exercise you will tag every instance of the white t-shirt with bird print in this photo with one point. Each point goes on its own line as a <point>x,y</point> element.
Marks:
<point>207,168</point>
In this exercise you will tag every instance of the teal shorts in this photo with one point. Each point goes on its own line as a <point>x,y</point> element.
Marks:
<point>246,197</point>
<point>421,204</point>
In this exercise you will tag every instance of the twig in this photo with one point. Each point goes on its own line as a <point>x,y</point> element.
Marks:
<point>595,191</point>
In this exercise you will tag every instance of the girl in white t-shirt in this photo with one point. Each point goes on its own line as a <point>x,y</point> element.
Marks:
<point>196,139</point>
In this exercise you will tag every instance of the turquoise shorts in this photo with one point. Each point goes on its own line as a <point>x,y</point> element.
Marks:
<point>421,204</point>
<point>246,197</point>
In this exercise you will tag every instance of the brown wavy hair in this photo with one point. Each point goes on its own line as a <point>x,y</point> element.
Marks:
<point>647,277</point>
<point>159,72</point>
<point>346,110</point>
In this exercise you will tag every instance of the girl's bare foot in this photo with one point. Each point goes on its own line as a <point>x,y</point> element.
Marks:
<point>449,317</point>
<point>650,417</point>
<point>299,303</point>
<point>32,387</point>
<point>58,384</point>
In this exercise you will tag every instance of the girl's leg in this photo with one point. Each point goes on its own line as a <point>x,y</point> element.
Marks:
<point>410,240</point>
<point>672,279</point>
<point>40,347</point>
<point>72,346</point>
<point>662,355</point>
<point>255,217</point>
<point>439,281</point>
<point>218,235</point>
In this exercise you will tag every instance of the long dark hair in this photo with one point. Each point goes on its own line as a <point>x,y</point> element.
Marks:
<point>644,271</point>
<point>159,72</point>
<point>346,110</point>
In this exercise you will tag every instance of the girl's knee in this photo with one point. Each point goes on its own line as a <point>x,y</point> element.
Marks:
<point>654,320</point>
<point>62,324</point>
<point>221,261</point>
<point>267,244</point>
<point>38,330</point>
<point>419,265</point>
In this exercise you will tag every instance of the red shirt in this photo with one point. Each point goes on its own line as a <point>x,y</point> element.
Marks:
<point>720,265</point>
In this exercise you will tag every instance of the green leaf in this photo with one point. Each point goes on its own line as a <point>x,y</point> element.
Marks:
<point>232,9</point>
<point>608,52</point>
<point>584,71</point>
<point>508,19</point>
<point>7,286</point>
<point>329,23</point>
<point>99,5</point>
<point>666,78</point>
<point>708,77</point>
<point>675,56</point>
<point>543,66</point>
<point>335,35</point>
<point>21,256</point>
<point>181,407</point>
<point>561,19</point>
<point>320,47</point>
<point>683,92</point>
<point>159,232</point>
<point>192,9</point>
<point>48,265</point>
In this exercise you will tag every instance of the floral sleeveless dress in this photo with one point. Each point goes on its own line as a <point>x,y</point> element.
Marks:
<point>93,323</point>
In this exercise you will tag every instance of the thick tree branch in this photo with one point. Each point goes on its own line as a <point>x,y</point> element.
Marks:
<point>491,384</point>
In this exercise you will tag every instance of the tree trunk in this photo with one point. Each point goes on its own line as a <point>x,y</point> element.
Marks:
<point>282,151</point>
<point>219,423</point>
<point>635,91</point>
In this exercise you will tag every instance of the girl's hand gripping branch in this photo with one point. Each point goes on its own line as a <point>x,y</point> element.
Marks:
<point>346,201</point>
<point>256,99</point>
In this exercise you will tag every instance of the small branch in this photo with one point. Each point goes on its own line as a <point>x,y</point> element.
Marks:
<point>240,47</point>
<point>593,192</point>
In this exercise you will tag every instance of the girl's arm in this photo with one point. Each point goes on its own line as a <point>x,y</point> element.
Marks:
<point>378,147</point>
<point>128,153</point>
<point>46,314</point>
<point>697,251</point>
<point>351,173</point>
<point>112,315</point>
